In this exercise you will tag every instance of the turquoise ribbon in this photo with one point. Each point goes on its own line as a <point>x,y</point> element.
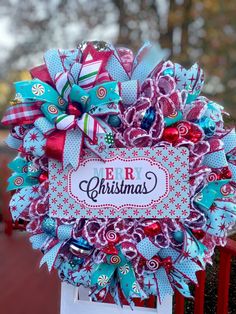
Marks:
<point>192,97</point>
<point>64,233</point>
<point>173,119</point>
<point>94,100</point>
<point>195,247</point>
<point>25,174</point>
<point>212,191</point>
<point>36,90</point>
<point>104,272</point>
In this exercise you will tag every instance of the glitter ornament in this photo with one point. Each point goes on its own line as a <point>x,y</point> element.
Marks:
<point>178,236</point>
<point>152,230</point>
<point>114,121</point>
<point>80,247</point>
<point>43,177</point>
<point>208,126</point>
<point>148,118</point>
<point>49,226</point>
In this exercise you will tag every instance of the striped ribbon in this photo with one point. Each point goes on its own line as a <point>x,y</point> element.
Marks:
<point>89,73</point>
<point>90,126</point>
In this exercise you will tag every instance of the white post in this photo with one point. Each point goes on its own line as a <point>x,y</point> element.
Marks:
<point>76,301</point>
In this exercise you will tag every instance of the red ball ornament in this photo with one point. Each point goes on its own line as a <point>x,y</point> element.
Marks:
<point>152,230</point>
<point>170,134</point>
<point>73,110</point>
<point>110,249</point>
<point>199,234</point>
<point>225,173</point>
<point>43,177</point>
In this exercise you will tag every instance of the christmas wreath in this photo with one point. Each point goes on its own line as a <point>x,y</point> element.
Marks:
<point>90,101</point>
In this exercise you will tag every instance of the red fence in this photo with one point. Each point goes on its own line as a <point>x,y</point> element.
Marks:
<point>226,254</point>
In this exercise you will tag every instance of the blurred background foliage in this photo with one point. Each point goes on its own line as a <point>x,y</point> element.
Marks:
<point>202,31</point>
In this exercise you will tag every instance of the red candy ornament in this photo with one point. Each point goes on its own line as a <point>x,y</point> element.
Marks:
<point>199,234</point>
<point>194,135</point>
<point>110,249</point>
<point>189,131</point>
<point>112,237</point>
<point>170,134</point>
<point>184,128</point>
<point>225,173</point>
<point>152,230</point>
<point>73,110</point>
<point>43,177</point>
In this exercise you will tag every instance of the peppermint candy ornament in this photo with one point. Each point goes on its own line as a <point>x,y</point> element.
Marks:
<point>102,100</point>
<point>38,89</point>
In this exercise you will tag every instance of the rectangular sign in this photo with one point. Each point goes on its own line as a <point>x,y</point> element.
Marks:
<point>137,182</point>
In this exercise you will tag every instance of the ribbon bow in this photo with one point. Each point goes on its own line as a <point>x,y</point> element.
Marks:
<point>75,78</point>
<point>132,72</point>
<point>213,191</point>
<point>24,174</point>
<point>102,275</point>
<point>52,243</point>
<point>174,268</point>
<point>95,102</point>
<point>224,157</point>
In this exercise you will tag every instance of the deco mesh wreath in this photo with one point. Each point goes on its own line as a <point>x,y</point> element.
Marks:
<point>103,98</point>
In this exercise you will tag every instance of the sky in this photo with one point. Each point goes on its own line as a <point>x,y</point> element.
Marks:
<point>9,39</point>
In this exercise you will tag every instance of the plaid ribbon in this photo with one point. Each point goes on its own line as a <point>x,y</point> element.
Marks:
<point>21,114</point>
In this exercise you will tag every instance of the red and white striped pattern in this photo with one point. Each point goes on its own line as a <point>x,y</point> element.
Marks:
<point>89,73</point>
<point>90,126</point>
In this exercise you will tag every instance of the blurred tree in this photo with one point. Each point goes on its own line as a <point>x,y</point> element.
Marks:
<point>192,29</point>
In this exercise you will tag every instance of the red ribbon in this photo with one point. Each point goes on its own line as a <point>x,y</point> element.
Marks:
<point>55,145</point>
<point>166,263</point>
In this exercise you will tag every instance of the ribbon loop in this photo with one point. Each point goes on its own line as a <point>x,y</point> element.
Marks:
<point>102,275</point>
<point>36,90</point>
<point>24,174</point>
<point>99,97</point>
